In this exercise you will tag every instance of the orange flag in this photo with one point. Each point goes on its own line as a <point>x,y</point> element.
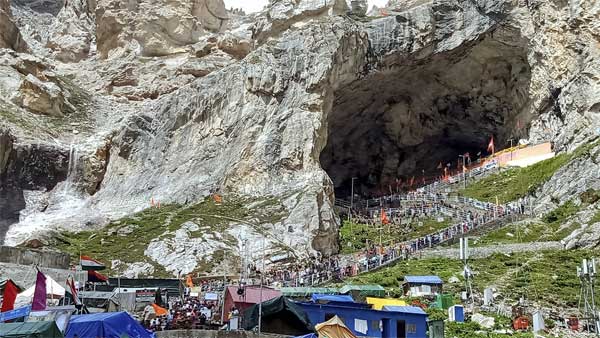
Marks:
<point>188,281</point>
<point>490,147</point>
<point>160,311</point>
<point>218,199</point>
<point>384,219</point>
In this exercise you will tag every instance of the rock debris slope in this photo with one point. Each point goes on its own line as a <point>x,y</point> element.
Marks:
<point>107,105</point>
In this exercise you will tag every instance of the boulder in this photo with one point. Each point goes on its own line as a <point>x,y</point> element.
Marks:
<point>41,97</point>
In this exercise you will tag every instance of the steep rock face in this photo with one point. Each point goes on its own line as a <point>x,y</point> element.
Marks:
<point>10,37</point>
<point>156,28</point>
<point>72,32</point>
<point>265,115</point>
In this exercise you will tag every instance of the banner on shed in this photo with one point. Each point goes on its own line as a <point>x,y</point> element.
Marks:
<point>16,313</point>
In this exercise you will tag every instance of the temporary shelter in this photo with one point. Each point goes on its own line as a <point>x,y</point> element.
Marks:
<point>334,328</point>
<point>108,325</point>
<point>379,303</point>
<point>361,320</point>
<point>363,290</point>
<point>317,298</point>
<point>279,315</point>
<point>53,291</point>
<point>417,286</point>
<point>30,330</point>
<point>307,291</point>
<point>244,297</point>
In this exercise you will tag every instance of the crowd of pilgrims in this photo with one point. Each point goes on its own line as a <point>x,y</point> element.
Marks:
<point>408,207</point>
<point>191,312</point>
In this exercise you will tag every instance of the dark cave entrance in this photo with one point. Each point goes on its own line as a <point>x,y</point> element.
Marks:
<point>402,122</point>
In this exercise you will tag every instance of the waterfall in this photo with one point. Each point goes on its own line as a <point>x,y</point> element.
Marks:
<point>71,169</point>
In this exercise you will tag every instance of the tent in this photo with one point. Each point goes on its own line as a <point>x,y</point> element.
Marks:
<point>30,330</point>
<point>279,315</point>
<point>106,325</point>
<point>53,291</point>
<point>334,328</point>
<point>317,298</point>
<point>379,303</point>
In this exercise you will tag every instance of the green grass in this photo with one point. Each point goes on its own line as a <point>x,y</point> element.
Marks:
<point>548,277</point>
<point>354,236</point>
<point>106,244</point>
<point>515,183</point>
<point>595,218</point>
<point>550,228</point>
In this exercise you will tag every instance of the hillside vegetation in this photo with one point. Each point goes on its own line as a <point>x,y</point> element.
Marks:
<point>512,184</point>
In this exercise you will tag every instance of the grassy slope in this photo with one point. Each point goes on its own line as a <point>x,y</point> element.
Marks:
<point>107,245</point>
<point>514,183</point>
<point>550,228</point>
<point>548,277</point>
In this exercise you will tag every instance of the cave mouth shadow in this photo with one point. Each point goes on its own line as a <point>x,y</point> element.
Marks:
<point>403,121</point>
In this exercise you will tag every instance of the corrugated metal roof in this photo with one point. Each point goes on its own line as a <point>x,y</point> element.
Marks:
<point>405,309</point>
<point>423,279</point>
<point>252,294</point>
<point>307,291</point>
<point>350,287</point>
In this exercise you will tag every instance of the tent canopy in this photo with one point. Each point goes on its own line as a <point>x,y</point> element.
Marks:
<point>109,324</point>
<point>379,303</point>
<point>317,298</point>
<point>278,311</point>
<point>334,328</point>
<point>30,330</point>
<point>364,290</point>
<point>307,291</point>
<point>53,290</point>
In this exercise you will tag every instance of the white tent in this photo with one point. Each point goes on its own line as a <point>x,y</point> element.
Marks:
<point>53,291</point>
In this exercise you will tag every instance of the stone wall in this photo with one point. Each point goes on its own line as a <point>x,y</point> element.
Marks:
<point>213,334</point>
<point>56,260</point>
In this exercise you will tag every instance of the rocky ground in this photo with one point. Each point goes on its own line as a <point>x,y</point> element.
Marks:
<point>106,106</point>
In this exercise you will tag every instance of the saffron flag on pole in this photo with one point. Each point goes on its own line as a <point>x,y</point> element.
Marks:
<point>71,285</point>
<point>88,263</point>
<point>188,281</point>
<point>384,219</point>
<point>490,147</point>
<point>39,295</point>
<point>9,296</point>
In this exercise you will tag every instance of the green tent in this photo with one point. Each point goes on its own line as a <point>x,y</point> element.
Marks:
<point>307,291</point>
<point>30,330</point>
<point>279,315</point>
<point>363,290</point>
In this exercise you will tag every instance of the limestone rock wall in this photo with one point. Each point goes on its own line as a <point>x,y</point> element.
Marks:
<point>10,36</point>
<point>172,101</point>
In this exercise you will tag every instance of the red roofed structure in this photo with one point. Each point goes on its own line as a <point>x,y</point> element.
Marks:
<point>250,297</point>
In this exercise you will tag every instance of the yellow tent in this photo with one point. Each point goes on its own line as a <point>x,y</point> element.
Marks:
<point>334,328</point>
<point>379,303</point>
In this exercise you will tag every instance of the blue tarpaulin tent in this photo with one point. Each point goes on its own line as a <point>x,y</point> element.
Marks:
<point>310,335</point>
<point>106,325</point>
<point>318,298</point>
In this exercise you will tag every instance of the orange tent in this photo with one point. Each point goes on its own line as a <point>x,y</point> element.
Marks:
<point>160,311</point>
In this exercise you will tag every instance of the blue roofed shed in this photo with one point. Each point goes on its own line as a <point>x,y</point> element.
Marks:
<point>416,286</point>
<point>404,322</point>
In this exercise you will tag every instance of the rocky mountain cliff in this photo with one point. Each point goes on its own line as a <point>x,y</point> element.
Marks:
<point>108,105</point>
